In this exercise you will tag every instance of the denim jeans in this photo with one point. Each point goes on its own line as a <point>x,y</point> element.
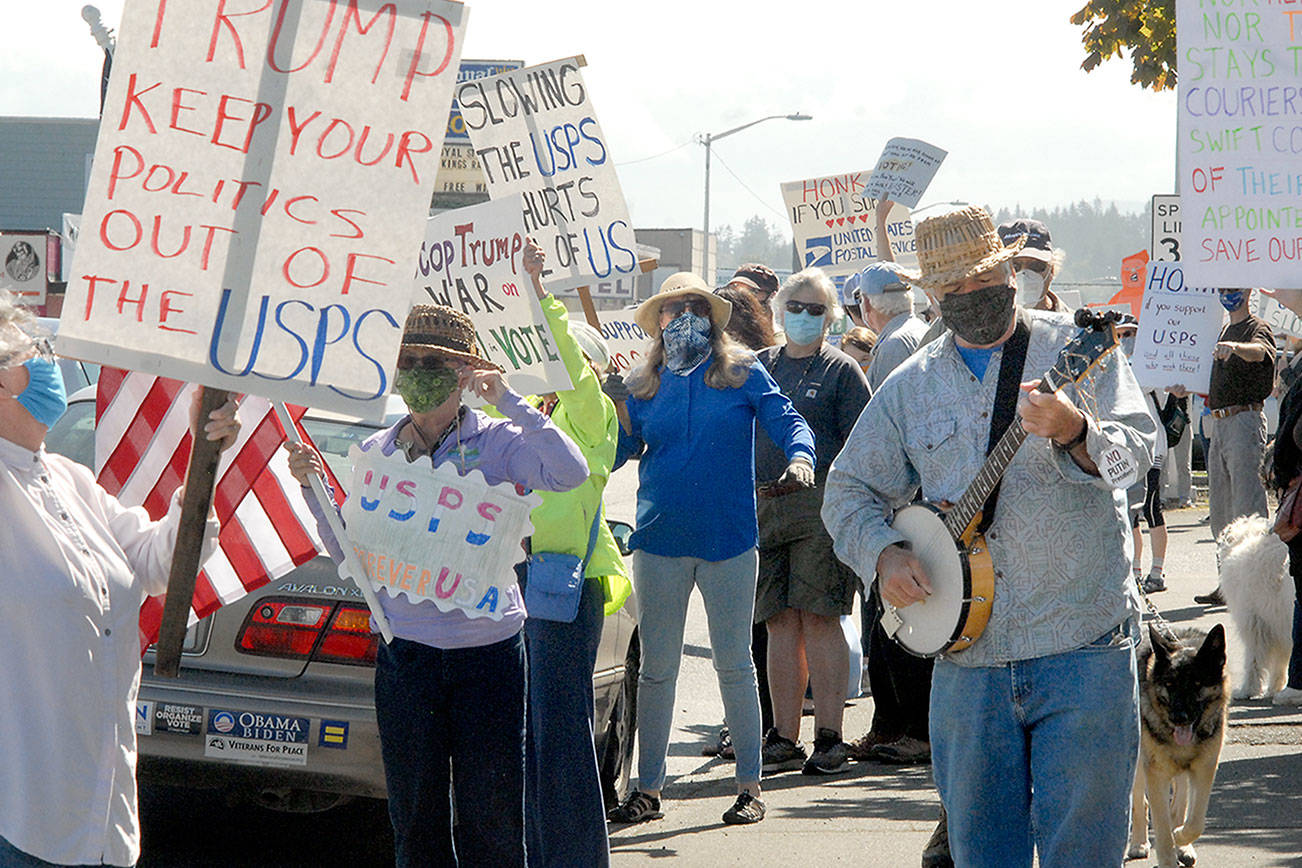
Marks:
<point>566,819</point>
<point>664,586</point>
<point>1295,572</point>
<point>1064,727</point>
<point>12,857</point>
<point>463,708</point>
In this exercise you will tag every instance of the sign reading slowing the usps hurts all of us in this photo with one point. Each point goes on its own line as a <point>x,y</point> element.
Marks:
<point>428,533</point>
<point>835,227</point>
<point>473,260</point>
<point>536,133</point>
<point>259,188</point>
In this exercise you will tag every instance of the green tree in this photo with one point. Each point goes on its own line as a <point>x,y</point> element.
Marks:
<point>758,241</point>
<point>1144,28</point>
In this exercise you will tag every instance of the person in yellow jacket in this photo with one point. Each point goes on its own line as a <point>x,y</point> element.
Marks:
<point>565,816</point>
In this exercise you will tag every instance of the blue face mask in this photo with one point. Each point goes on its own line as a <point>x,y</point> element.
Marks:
<point>803,328</point>
<point>687,342</point>
<point>44,396</point>
<point>1232,301</point>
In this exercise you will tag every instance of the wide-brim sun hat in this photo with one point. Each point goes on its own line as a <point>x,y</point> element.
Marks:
<point>679,285</point>
<point>955,246</point>
<point>439,330</point>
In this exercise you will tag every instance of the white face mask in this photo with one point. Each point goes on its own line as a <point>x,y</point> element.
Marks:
<point>1030,287</point>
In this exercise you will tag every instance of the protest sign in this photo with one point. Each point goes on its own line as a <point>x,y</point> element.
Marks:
<point>835,227</point>
<point>1164,242</point>
<point>426,533</point>
<point>1178,327</point>
<point>460,173</point>
<point>1239,141</point>
<point>259,189</point>
<point>903,171</point>
<point>536,133</point>
<point>1281,320</point>
<point>473,70</point>
<point>473,260</point>
<point>24,269</point>
<point>626,339</point>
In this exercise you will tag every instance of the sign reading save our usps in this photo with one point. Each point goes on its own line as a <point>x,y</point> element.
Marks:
<point>259,188</point>
<point>430,534</point>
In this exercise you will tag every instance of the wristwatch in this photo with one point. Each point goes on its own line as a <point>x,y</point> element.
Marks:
<point>1078,439</point>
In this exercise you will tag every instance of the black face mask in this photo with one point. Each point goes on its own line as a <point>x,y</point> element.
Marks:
<point>979,317</point>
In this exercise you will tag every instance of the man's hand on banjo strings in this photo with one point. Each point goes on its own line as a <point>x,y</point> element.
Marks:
<point>901,577</point>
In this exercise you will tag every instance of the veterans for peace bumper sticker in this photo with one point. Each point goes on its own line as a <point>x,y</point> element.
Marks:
<point>256,737</point>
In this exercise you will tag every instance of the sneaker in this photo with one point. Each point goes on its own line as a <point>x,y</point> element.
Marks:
<point>861,748</point>
<point>637,808</point>
<point>747,809</point>
<point>936,853</point>
<point>831,755</point>
<point>904,751</point>
<point>782,754</point>
<point>1288,696</point>
<point>721,748</point>
<point>1215,598</point>
<point>1153,583</point>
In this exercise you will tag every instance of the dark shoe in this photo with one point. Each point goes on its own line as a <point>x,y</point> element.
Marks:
<point>904,751</point>
<point>782,754</point>
<point>936,853</point>
<point>831,755</point>
<point>1215,598</point>
<point>721,748</point>
<point>747,809</point>
<point>1153,583</point>
<point>637,808</point>
<point>861,748</point>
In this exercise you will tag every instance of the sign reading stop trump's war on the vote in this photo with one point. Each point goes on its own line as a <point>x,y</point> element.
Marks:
<point>473,261</point>
<point>259,189</point>
<point>835,227</point>
<point>536,133</point>
<point>427,533</point>
<point>1178,328</point>
<point>1240,142</point>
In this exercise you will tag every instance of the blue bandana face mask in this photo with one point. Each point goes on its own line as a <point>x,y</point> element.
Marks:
<point>687,342</point>
<point>803,328</point>
<point>1232,301</point>
<point>44,396</point>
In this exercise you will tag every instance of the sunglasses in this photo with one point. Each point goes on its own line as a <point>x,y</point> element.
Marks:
<point>811,307</point>
<point>674,309</point>
<point>424,362</point>
<point>1033,265</point>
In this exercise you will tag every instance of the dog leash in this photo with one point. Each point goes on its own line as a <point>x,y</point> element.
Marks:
<point>1163,626</point>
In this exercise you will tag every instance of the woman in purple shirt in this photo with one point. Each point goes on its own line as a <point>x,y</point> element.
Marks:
<point>450,689</point>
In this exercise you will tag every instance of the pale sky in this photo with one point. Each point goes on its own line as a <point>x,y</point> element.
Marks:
<point>998,85</point>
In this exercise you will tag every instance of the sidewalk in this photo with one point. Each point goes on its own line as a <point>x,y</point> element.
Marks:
<point>882,816</point>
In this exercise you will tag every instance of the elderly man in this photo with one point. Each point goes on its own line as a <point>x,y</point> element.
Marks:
<point>1035,265</point>
<point>1034,726</point>
<point>886,304</point>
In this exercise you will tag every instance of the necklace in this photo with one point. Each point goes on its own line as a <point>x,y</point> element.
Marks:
<point>795,393</point>
<point>412,450</point>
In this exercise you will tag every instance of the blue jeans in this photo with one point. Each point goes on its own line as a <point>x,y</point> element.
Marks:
<point>12,857</point>
<point>463,708</point>
<point>566,820</point>
<point>664,585</point>
<point>1065,726</point>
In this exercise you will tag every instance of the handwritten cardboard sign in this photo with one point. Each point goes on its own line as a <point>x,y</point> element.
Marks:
<point>1239,142</point>
<point>626,339</point>
<point>835,227</point>
<point>1178,327</point>
<point>429,534</point>
<point>24,270</point>
<point>472,260</point>
<point>1281,319</point>
<point>903,171</point>
<point>536,133</point>
<point>258,191</point>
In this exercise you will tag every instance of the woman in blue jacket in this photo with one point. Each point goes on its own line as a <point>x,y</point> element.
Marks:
<point>693,408</point>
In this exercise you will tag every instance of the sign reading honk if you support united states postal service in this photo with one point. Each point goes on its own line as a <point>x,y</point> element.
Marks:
<point>427,533</point>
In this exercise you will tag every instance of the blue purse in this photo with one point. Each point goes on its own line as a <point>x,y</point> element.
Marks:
<point>555,581</point>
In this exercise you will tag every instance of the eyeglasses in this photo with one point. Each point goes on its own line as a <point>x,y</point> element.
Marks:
<point>811,307</point>
<point>423,361</point>
<point>1032,265</point>
<point>674,309</point>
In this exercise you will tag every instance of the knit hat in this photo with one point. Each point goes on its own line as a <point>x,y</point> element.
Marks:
<point>443,331</point>
<point>955,246</point>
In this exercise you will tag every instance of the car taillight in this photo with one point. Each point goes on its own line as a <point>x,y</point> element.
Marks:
<point>299,629</point>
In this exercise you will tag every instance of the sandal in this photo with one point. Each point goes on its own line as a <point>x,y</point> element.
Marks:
<point>637,808</point>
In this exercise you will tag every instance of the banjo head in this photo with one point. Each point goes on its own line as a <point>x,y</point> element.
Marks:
<point>928,626</point>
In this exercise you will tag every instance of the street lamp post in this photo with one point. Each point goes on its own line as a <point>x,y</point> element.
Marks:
<point>708,139</point>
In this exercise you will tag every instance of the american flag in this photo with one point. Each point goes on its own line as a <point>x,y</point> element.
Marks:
<point>142,448</point>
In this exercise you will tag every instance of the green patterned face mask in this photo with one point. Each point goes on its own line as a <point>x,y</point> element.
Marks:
<point>424,388</point>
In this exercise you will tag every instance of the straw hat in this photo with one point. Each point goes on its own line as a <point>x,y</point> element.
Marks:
<point>678,285</point>
<point>443,331</point>
<point>955,246</point>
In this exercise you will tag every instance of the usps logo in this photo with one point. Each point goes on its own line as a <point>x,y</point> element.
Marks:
<point>144,718</point>
<point>818,251</point>
<point>221,721</point>
<point>334,733</point>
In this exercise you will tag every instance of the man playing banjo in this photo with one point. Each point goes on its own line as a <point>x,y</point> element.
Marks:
<point>1044,700</point>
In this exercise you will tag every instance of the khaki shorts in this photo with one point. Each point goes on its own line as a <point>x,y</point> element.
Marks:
<point>804,574</point>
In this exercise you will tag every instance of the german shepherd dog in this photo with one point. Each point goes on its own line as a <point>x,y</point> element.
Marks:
<point>1184,692</point>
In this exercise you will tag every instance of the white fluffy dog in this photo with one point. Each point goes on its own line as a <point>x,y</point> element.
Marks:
<point>1259,593</point>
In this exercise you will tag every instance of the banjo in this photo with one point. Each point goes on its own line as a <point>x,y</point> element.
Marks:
<point>949,542</point>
